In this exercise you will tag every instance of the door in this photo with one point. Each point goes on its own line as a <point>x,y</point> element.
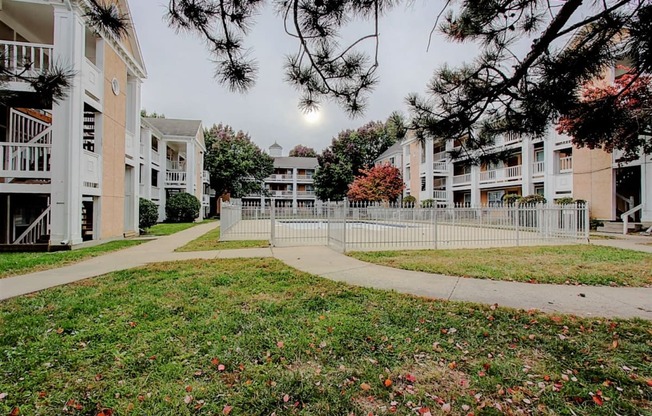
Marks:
<point>129,208</point>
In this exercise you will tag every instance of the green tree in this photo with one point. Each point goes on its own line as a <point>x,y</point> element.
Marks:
<point>302,151</point>
<point>236,165</point>
<point>145,114</point>
<point>350,152</point>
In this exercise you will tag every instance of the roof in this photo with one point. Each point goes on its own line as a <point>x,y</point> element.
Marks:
<point>175,127</point>
<point>393,149</point>
<point>296,162</point>
<point>276,146</point>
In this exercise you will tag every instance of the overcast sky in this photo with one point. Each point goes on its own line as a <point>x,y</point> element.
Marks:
<point>180,80</point>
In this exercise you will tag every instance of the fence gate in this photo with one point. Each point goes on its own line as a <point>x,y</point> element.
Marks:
<point>337,226</point>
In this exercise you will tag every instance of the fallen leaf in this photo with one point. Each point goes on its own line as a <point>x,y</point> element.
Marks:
<point>649,382</point>
<point>446,407</point>
<point>188,389</point>
<point>221,367</point>
<point>388,383</point>
<point>14,412</point>
<point>410,378</point>
<point>286,398</point>
<point>597,400</point>
<point>365,386</point>
<point>187,399</point>
<point>3,395</point>
<point>280,344</point>
<point>215,361</point>
<point>227,409</point>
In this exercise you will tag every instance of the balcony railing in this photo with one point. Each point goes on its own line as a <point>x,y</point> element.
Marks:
<point>439,156</point>
<point>306,194</point>
<point>462,179</point>
<point>304,178</point>
<point>538,168</point>
<point>25,160</point>
<point>439,195</point>
<point>281,194</point>
<point>93,79</point>
<point>175,178</point>
<point>440,167</point>
<point>18,56</point>
<point>175,165</point>
<point>500,175</point>
<point>277,177</point>
<point>566,164</point>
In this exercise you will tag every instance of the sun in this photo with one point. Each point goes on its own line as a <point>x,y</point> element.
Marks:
<point>312,116</point>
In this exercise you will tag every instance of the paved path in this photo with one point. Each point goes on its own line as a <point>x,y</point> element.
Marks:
<point>322,261</point>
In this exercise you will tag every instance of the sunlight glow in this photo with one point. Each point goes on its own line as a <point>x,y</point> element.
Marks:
<point>312,117</point>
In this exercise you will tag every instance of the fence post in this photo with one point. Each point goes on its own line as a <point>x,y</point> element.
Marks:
<point>272,221</point>
<point>434,221</point>
<point>517,216</point>
<point>587,221</point>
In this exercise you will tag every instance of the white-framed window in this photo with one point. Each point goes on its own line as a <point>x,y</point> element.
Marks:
<point>467,199</point>
<point>423,184</point>
<point>539,190</point>
<point>495,198</point>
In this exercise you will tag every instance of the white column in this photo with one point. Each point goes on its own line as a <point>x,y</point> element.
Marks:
<point>527,154</point>
<point>429,175</point>
<point>136,151</point>
<point>646,189</point>
<point>549,178</point>
<point>162,163</point>
<point>294,190</point>
<point>191,173</point>
<point>67,128</point>
<point>475,186</point>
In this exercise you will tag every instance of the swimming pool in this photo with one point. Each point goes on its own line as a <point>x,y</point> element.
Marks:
<point>323,224</point>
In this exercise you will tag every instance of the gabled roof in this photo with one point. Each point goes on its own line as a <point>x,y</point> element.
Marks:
<point>276,146</point>
<point>177,128</point>
<point>393,150</point>
<point>296,162</point>
<point>132,40</point>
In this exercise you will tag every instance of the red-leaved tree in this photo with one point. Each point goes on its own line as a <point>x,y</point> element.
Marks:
<point>380,183</point>
<point>616,116</point>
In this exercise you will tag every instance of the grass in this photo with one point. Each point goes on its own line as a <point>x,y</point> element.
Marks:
<point>12,264</point>
<point>169,228</point>
<point>578,264</point>
<point>211,241</point>
<point>258,337</point>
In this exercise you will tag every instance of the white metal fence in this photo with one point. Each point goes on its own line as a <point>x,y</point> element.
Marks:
<point>349,226</point>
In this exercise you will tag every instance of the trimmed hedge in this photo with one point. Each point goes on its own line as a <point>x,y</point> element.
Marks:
<point>147,214</point>
<point>182,207</point>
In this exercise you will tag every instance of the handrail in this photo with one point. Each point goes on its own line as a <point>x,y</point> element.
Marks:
<point>43,221</point>
<point>625,216</point>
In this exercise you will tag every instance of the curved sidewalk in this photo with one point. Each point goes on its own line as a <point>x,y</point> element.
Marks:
<point>613,302</point>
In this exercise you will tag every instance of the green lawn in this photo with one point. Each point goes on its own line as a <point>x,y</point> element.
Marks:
<point>579,264</point>
<point>168,228</point>
<point>211,241</point>
<point>20,263</point>
<point>254,336</point>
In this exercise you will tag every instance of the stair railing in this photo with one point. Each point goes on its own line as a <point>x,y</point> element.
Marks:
<point>38,228</point>
<point>625,216</point>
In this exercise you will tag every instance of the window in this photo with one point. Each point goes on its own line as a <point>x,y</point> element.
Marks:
<point>538,155</point>
<point>423,184</point>
<point>154,177</point>
<point>407,174</point>
<point>467,199</point>
<point>423,152</point>
<point>391,161</point>
<point>539,190</point>
<point>495,198</point>
<point>155,144</point>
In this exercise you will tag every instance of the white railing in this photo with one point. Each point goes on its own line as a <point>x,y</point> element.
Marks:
<point>23,160</point>
<point>175,178</point>
<point>625,216</point>
<point>205,176</point>
<point>176,165</point>
<point>26,58</point>
<point>277,177</point>
<point>91,168</point>
<point>23,128</point>
<point>360,226</point>
<point>40,227</point>
<point>305,193</point>
<point>566,164</point>
<point>439,156</point>
<point>538,168</point>
<point>93,79</point>
<point>439,195</point>
<point>462,179</point>
<point>304,177</point>
<point>440,167</point>
<point>500,175</point>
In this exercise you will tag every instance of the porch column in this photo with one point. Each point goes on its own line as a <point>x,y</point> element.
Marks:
<point>294,190</point>
<point>67,128</point>
<point>191,169</point>
<point>646,189</point>
<point>135,107</point>
<point>527,153</point>
<point>549,161</point>
<point>476,201</point>
<point>429,174</point>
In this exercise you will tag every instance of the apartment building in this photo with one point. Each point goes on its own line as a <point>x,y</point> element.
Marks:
<point>171,161</point>
<point>392,156</point>
<point>68,172</point>
<point>291,183</point>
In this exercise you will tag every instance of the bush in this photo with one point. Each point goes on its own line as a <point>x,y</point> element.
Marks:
<point>182,207</point>
<point>409,201</point>
<point>532,199</point>
<point>147,214</point>
<point>427,203</point>
<point>511,199</point>
<point>595,223</point>
<point>564,201</point>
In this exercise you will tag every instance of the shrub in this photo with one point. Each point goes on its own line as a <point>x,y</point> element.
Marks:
<point>532,199</point>
<point>511,199</point>
<point>147,214</point>
<point>409,201</point>
<point>594,223</point>
<point>564,201</point>
<point>427,203</point>
<point>182,207</point>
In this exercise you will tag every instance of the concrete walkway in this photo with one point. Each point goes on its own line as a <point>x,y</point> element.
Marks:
<point>322,261</point>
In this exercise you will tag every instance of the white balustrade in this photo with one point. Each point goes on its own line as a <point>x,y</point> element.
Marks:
<point>24,58</point>
<point>93,79</point>
<point>566,164</point>
<point>538,168</point>
<point>439,195</point>
<point>25,160</point>
<point>462,179</point>
<point>509,173</point>
<point>175,178</point>
<point>440,167</point>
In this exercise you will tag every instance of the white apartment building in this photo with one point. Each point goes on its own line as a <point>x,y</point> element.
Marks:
<point>291,183</point>
<point>68,173</point>
<point>551,167</point>
<point>171,161</point>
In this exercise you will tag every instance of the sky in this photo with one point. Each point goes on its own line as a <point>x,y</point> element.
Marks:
<point>180,81</point>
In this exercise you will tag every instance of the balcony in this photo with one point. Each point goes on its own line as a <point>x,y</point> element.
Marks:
<point>25,160</point>
<point>21,55</point>
<point>566,164</point>
<point>538,169</point>
<point>92,165</point>
<point>511,173</point>
<point>93,80</point>
<point>440,156</point>
<point>439,195</point>
<point>305,178</point>
<point>306,194</point>
<point>175,178</point>
<point>281,194</point>
<point>279,178</point>
<point>175,165</point>
<point>205,200</point>
<point>205,177</point>
<point>459,180</point>
<point>440,168</point>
